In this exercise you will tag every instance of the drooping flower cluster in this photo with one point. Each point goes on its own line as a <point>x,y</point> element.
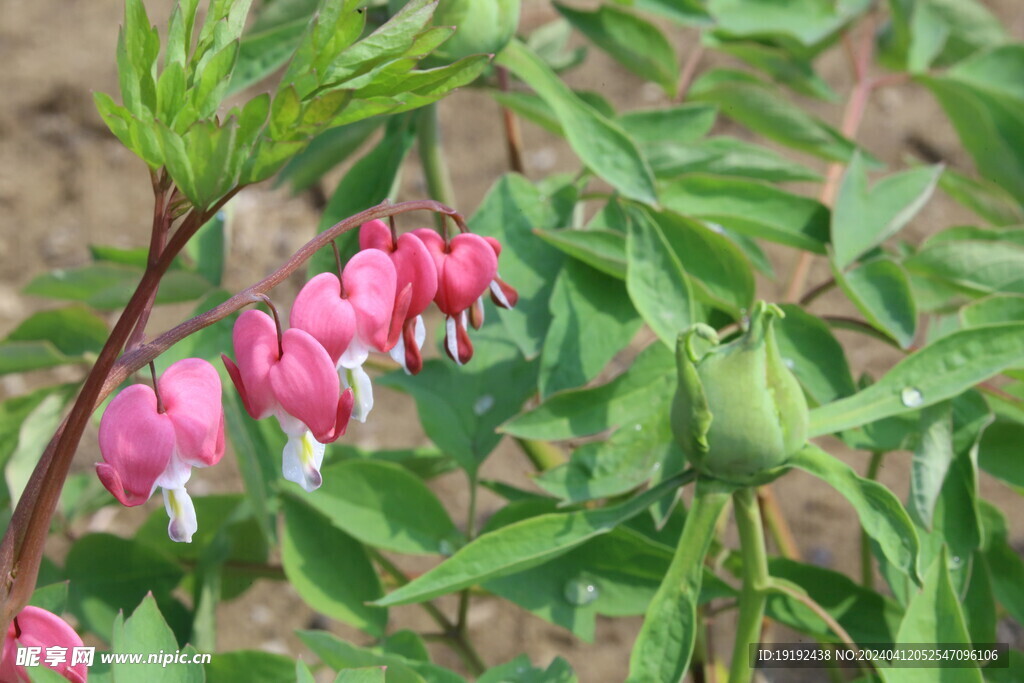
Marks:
<point>310,376</point>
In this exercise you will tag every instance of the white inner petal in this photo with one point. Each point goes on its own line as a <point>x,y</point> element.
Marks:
<point>356,353</point>
<point>301,461</point>
<point>451,339</point>
<point>362,391</point>
<point>175,475</point>
<point>182,512</point>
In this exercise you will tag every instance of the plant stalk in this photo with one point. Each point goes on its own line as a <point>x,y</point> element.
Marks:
<point>435,169</point>
<point>755,583</point>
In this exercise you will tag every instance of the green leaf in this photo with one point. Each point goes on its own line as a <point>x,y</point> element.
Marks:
<point>724,155</point>
<point>373,674</point>
<point>385,506</point>
<point>663,648</point>
<point>599,143</point>
<point>371,180</point>
<point>760,108</point>
<point>512,209</point>
<point>941,370</point>
<point>52,598</point>
<point>998,308</point>
<point>977,264</point>
<point>326,151</point>
<point>880,289</point>
<point>272,39</point>
<point>519,670</point>
<point>15,411</point>
<point>207,248</point>
<point>881,515</point>
<point>592,319</point>
<point>805,21</point>
<point>864,218</point>
<point>250,666</point>
<point>460,407</point>
<point>718,269</point>
<point>28,356</point>
<point>315,553</point>
<point>535,110</point>
<point>934,616</point>
<point>622,462</point>
<point>582,412</point>
<point>867,616</point>
<point>781,64</point>
<point>815,356</point>
<point>146,632</point>
<point>108,574</point>
<point>932,459</point>
<point>256,445</point>
<point>1007,568</point>
<point>680,124</point>
<point>752,209</point>
<point>634,42</point>
<point>338,654</point>
<point>686,12</point>
<point>520,546</point>
<point>108,287</point>
<point>604,250</point>
<point>999,451</point>
<point>983,197</point>
<point>655,279</point>
<point>988,123</point>
<point>33,436</point>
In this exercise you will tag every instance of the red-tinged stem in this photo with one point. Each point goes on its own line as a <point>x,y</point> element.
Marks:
<point>513,136</point>
<point>861,56</point>
<point>21,550</point>
<point>688,72</point>
<point>162,220</point>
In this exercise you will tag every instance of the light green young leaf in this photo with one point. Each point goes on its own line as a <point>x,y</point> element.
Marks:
<point>881,290</point>
<point>806,21</point>
<point>680,124</point>
<point>314,553</point>
<point>372,674</point>
<point>663,648</point>
<point>521,545</point>
<point>979,263</point>
<point>941,370</point>
<point>932,459</point>
<point>583,412</point>
<point>983,197</point>
<point>601,144</point>
<point>33,435</point>
<point>655,279</point>
<point>385,506</point>
<point>782,65</point>
<point>724,155</point>
<point>1007,568</point>
<point>146,632</point>
<point>519,670</point>
<point>686,12</point>
<point>603,250</point>
<point>864,218</point>
<point>592,319</point>
<point>251,666</point>
<point>881,515</point>
<point>634,42</point>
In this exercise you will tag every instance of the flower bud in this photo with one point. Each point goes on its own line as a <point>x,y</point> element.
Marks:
<point>739,412</point>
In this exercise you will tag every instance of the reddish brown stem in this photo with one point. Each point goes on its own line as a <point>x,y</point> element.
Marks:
<point>513,137</point>
<point>688,71</point>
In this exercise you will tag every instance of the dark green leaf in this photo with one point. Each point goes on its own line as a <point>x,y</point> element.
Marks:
<point>512,209</point>
<point>256,445</point>
<point>207,248</point>
<point>751,209</point>
<point>723,155</point>
<point>519,670</point>
<point>582,412</point>
<point>460,407</point>
<point>604,250</point>
<point>1007,568</point>
<point>680,124</point>
<point>385,506</point>
<point>634,42</point>
<point>146,632</point>
<point>882,516</point>
<point>520,546</point>
<point>315,553</point>
<point>815,356</point>
<point>983,197</point>
<point>52,598</point>
<point>655,279</point>
<point>327,150</point>
<point>941,370</point>
<point>686,12</point>
<point>338,654</point>
<point>600,143</point>
<point>932,459</point>
<point>250,666</point>
<point>592,319</point>
<point>999,451</point>
<point>880,289</point>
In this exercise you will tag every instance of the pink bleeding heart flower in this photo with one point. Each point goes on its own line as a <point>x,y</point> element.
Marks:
<point>414,269</point>
<point>291,377</point>
<point>148,441</point>
<point>351,315</point>
<point>39,633</point>
<point>466,265</point>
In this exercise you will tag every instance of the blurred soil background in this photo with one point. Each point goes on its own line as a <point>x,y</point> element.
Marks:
<point>66,183</point>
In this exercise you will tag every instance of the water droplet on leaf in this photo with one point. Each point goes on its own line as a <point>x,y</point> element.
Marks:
<point>580,592</point>
<point>911,397</point>
<point>483,404</point>
<point>446,547</point>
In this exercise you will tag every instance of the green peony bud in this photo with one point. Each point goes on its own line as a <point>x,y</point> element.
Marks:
<point>483,26</point>
<point>739,412</point>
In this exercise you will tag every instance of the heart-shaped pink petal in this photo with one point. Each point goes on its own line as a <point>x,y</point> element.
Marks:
<point>320,310</point>
<point>255,341</point>
<point>376,234</point>
<point>136,443</point>
<point>414,265</point>
<point>369,280</point>
<point>42,629</point>
<point>306,384</point>
<point>468,270</point>
<point>191,394</point>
